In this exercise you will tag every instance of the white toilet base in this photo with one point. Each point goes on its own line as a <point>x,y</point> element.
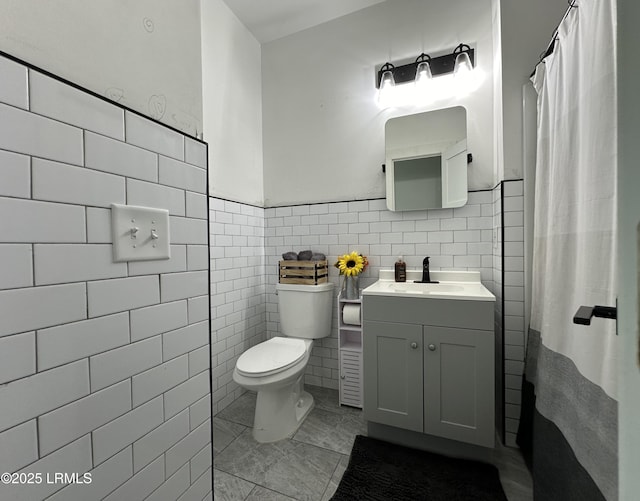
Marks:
<point>280,412</point>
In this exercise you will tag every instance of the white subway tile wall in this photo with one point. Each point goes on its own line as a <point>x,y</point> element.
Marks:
<point>247,243</point>
<point>57,100</point>
<point>31,134</point>
<point>14,89</point>
<point>514,328</point>
<point>104,367</point>
<point>459,239</point>
<point>19,446</point>
<point>15,176</point>
<point>238,312</point>
<point>498,323</point>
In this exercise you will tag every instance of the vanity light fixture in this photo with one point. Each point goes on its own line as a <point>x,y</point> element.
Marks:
<point>422,71</point>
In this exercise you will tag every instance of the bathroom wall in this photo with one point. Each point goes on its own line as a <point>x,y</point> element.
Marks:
<point>300,88</point>
<point>232,105</point>
<point>144,55</point>
<point>247,243</point>
<point>499,306</point>
<point>150,56</point>
<point>478,236</point>
<point>322,78</point>
<point>238,308</point>
<point>323,143</point>
<point>453,238</point>
<point>513,302</point>
<point>323,129</point>
<point>104,367</point>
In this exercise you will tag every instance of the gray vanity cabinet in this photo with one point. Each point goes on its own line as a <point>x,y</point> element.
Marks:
<point>432,372</point>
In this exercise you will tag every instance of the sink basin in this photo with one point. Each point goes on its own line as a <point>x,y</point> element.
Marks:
<point>462,285</point>
<point>425,288</point>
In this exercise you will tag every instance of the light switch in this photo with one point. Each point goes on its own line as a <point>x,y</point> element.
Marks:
<point>139,233</point>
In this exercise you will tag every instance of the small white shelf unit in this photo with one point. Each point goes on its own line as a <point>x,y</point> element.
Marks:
<point>350,355</point>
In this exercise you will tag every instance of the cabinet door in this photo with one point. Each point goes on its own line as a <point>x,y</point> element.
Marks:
<point>459,388</point>
<point>393,388</point>
<point>351,378</point>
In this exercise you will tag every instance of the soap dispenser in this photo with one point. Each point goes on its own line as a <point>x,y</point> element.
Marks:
<point>401,270</point>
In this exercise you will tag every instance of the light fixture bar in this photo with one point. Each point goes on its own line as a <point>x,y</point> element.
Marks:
<point>439,66</point>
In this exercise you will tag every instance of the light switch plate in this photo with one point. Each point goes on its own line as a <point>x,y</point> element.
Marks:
<point>139,233</point>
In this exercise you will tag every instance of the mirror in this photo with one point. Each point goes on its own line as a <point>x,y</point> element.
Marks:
<point>426,160</point>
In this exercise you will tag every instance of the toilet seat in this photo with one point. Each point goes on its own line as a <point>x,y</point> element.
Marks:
<point>271,356</point>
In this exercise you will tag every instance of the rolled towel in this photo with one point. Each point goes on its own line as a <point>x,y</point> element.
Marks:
<point>318,256</point>
<point>305,255</point>
<point>290,256</point>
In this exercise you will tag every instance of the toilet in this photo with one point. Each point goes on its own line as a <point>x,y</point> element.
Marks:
<point>275,368</point>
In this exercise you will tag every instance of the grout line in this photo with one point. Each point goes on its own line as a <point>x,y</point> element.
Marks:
<point>30,177</point>
<point>124,126</point>
<point>37,419</point>
<point>82,146</point>
<point>28,82</point>
<point>89,357</point>
<point>93,458</point>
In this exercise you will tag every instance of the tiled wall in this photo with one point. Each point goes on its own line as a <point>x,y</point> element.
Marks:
<point>104,367</point>
<point>247,243</point>
<point>498,324</point>
<point>508,274</point>
<point>454,239</point>
<point>514,337</point>
<point>237,291</point>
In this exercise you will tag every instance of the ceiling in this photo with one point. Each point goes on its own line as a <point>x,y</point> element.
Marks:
<point>269,20</point>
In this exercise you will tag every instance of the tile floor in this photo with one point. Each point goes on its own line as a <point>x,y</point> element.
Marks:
<point>308,466</point>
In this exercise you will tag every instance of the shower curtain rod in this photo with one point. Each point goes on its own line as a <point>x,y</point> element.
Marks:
<point>554,38</point>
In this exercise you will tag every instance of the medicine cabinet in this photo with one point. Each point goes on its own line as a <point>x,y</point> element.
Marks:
<point>426,160</point>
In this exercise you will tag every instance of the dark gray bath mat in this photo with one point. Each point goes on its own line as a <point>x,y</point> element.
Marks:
<point>380,471</point>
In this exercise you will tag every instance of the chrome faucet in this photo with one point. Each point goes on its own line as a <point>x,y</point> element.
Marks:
<point>426,278</point>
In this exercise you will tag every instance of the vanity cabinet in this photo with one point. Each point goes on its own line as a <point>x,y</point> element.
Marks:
<point>429,367</point>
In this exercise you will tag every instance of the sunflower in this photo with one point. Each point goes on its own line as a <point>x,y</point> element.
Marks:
<point>351,264</point>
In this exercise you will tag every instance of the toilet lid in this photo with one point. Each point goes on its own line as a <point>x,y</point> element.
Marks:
<point>271,356</point>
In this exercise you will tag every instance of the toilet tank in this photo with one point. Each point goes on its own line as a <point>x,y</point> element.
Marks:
<point>305,310</point>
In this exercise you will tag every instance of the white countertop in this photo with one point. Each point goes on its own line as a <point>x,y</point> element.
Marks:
<point>463,285</point>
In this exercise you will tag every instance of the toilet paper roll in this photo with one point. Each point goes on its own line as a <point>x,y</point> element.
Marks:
<point>351,314</point>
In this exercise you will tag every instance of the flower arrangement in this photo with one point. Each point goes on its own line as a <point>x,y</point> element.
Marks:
<point>351,264</point>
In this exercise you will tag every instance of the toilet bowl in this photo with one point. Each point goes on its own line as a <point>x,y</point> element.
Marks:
<point>281,405</point>
<point>275,368</point>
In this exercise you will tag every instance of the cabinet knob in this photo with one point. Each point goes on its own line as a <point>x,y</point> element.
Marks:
<point>343,377</point>
<point>414,345</point>
<point>432,347</point>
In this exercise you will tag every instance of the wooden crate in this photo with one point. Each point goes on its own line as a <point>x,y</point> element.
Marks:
<point>303,272</point>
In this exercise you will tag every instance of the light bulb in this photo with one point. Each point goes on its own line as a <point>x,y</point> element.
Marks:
<point>387,80</point>
<point>423,84</point>
<point>462,65</point>
<point>387,84</point>
<point>423,74</point>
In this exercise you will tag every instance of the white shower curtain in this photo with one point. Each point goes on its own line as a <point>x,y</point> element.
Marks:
<point>573,367</point>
